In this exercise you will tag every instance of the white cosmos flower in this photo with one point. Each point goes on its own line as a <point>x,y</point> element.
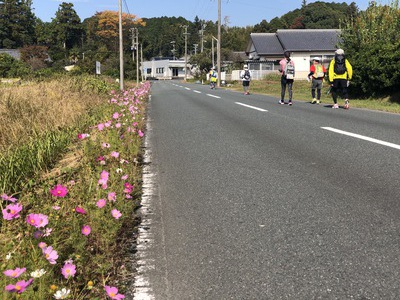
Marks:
<point>38,273</point>
<point>63,294</point>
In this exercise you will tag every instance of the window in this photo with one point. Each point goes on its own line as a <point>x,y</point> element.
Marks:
<point>160,70</point>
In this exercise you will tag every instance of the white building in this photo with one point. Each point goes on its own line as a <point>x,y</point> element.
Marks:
<point>166,68</point>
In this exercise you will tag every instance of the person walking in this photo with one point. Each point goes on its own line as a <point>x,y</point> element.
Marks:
<point>317,74</point>
<point>245,75</point>
<point>287,78</point>
<point>340,73</point>
<point>213,78</point>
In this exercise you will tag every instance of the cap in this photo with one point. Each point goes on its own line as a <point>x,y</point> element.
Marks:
<point>339,51</point>
<point>316,58</point>
<point>245,66</point>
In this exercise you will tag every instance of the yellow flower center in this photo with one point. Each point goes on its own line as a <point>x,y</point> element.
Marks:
<point>17,287</point>
<point>112,294</point>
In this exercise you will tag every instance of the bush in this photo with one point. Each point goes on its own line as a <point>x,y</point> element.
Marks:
<point>11,67</point>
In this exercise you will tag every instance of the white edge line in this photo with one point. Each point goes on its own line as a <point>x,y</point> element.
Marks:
<point>198,92</point>
<point>362,137</point>
<point>253,107</point>
<point>214,96</point>
<point>187,88</point>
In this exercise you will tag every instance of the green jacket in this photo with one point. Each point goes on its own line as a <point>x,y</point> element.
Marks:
<point>347,75</point>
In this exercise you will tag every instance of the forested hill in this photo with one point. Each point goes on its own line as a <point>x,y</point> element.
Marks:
<point>160,35</point>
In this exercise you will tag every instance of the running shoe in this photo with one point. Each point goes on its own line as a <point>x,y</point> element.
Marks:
<point>346,104</point>
<point>290,103</point>
<point>314,101</point>
<point>281,102</point>
<point>335,105</point>
<point>318,101</point>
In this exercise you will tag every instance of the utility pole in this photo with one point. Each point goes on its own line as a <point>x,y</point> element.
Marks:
<point>121,48</point>
<point>137,57</point>
<point>212,50</point>
<point>185,34</point>
<point>195,48</point>
<point>219,44</point>
<point>141,59</point>
<point>135,47</point>
<point>203,26</point>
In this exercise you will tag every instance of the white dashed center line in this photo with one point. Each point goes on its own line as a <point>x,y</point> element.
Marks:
<point>362,137</point>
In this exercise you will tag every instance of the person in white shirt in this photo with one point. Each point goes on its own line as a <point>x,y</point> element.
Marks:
<point>245,75</point>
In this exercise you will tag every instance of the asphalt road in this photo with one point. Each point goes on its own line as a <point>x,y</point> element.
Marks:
<point>248,199</point>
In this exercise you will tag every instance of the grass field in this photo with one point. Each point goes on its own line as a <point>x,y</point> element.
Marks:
<point>302,92</point>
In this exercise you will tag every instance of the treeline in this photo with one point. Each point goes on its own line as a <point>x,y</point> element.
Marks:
<point>370,39</point>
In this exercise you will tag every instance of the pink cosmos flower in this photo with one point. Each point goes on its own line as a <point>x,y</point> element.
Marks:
<point>141,134</point>
<point>128,188</point>
<point>14,273</point>
<point>19,287</point>
<point>59,191</point>
<point>114,154</point>
<point>105,145</point>
<point>80,210</point>
<point>118,125</point>
<point>107,124</point>
<point>103,179</point>
<point>47,231</point>
<point>116,213</point>
<point>125,177</point>
<point>68,270</point>
<point>112,196</point>
<point>8,198</point>
<point>12,211</point>
<point>101,203</point>
<point>82,136</point>
<point>50,254</point>
<point>55,207</point>
<point>37,220</point>
<point>116,115</point>
<point>112,292</point>
<point>100,127</point>
<point>42,245</point>
<point>86,230</point>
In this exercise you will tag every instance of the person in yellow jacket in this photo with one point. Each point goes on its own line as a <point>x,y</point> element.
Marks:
<point>339,74</point>
<point>213,78</point>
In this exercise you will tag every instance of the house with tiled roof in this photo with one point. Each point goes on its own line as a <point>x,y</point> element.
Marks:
<point>264,50</point>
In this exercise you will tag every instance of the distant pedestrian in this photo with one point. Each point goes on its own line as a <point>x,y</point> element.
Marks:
<point>340,73</point>
<point>213,77</point>
<point>317,74</point>
<point>287,70</point>
<point>245,75</point>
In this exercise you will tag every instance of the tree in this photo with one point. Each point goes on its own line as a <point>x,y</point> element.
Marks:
<point>35,56</point>
<point>372,43</point>
<point>17,24</point>
<point>105,27</point>
<point>67,29</point>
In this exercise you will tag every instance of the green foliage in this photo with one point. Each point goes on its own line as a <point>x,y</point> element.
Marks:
<point>316,15</point>
<point>11,67</point>
<point>372,44</point>
<point>67,27</point>
<point>17,24</point>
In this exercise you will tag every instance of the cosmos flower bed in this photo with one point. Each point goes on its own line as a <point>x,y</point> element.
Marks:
<point>65,239</point>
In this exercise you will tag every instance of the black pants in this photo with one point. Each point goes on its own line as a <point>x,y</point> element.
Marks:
<point>289,83</point>
<point>339,86</point>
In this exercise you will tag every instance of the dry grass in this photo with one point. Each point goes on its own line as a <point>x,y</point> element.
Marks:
<point>28,110</point>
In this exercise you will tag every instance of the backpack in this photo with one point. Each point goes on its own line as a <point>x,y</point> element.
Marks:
<point>340,65</point>
<point>247,75</point>
<point>214,74</point>
<point>289,70</point>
